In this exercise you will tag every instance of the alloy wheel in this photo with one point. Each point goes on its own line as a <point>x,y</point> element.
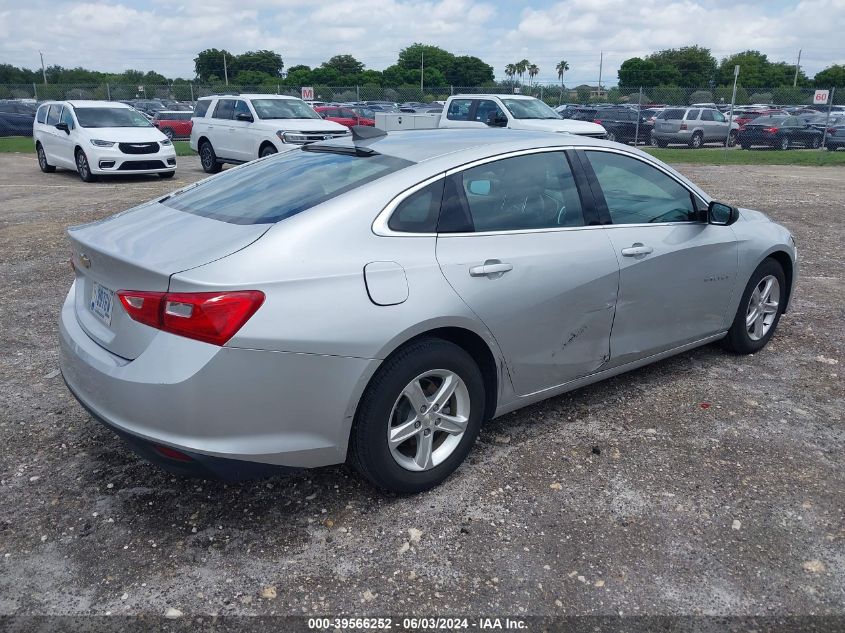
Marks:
<point>762,307</point>
<point>82,165</point>
<point>42,158</point>
<point>428,420</point>
<point>207,158</point>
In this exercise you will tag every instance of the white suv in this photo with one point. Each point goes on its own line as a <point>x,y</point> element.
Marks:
<point>238,128</point>
<point>100,137</point>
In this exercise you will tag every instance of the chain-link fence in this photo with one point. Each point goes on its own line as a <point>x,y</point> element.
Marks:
<point>732,107</point>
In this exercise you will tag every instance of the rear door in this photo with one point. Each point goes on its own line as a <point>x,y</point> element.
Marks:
<point>220,129</point>
<point>515,243</point>
<point>457,114</point>
<point>677,272</point>
<point>243,143</point>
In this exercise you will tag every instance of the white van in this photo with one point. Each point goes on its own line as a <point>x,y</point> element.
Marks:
<point>96,138</point>
<point>238,128</point>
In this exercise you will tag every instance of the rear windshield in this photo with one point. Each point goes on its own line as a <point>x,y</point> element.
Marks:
<point>283,185</point>
<point>111,117</point>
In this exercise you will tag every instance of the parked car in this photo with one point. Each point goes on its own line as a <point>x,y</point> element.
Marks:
<point>835,137</point>
<point>821,121</point>
<point>516,112</point>
<point>745,116</point>
<point>149,106</point>
<point>174,124</point>
<point>346,116</point>
<point>692,126</point>
<point>98,138</point>
<point>623,125</point>
<point>779,132</point>
<point>375,299</point>
<point>16,117</point>
<point>239,128</point>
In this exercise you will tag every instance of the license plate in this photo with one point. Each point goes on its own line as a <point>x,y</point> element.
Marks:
<point>102,299</point>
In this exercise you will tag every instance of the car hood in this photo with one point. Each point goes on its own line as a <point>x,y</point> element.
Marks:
<point>125,134</point>
<point>559,125</point>
<point>302,125</point>
<point>752,215</point>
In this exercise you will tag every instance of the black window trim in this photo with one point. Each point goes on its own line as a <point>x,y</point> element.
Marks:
<point>699,201</point>
<point>380,224</point>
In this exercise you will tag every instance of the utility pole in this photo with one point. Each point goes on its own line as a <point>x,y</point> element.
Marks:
<point>797,66</point>
<point>43,72</point>
<point>422,70</point>
<point>601,64</point>
<point>225,70</point>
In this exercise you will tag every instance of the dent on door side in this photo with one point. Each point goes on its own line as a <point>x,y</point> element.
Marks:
<point>386,283</point>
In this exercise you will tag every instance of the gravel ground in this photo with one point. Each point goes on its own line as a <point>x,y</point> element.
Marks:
<point>631,496</point>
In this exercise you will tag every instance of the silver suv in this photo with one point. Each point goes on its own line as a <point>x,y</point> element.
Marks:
<point>693,127</point>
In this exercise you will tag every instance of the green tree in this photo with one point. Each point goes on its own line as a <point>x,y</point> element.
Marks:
<point>830,77</point>
<point>510,71</point>
<point>646,73</point>
<point>562,67</point>
<point>263,61</point>
<point>252,78</point>
<point>695,64</point>
<point>583,93</point>
<point>412,57</point>
<point>533,71</point>
<point>701,96</point>
<point>467,70</point>
<point>344,65</point>
<point>209,63</point>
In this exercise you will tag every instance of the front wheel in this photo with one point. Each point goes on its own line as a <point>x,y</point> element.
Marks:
<point>419,417</point>
<point>759,309</point>
<point>208,159</point>
<point>731,139</point>
<point>267,150</point>
<point>83,167</point>
<point>784,144</point>
<point>816,142</point>
<point>831,148</point>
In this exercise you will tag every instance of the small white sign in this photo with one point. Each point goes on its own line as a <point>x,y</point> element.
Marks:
<point>140,88</point>
<point>516,90</point>
<point>308,93</point>
<point>821,97</point>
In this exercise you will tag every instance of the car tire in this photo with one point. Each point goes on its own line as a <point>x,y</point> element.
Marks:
<point>46,167</point>
<point>611,137</point>
<point>816,142</point>
<point>784,144</point>
<point>208,159</point>
<point>659,143</point>
<point>830,148</point>
<point>168,133</point>
<point>748,338</point>
<point>83,167</point>
<point>731,139</point>
<point>697,141</point>
<point>267,150</point>
<point>166,174</point>
<point>412,465</point>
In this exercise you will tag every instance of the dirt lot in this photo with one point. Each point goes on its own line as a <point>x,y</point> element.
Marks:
<point>735,508</point>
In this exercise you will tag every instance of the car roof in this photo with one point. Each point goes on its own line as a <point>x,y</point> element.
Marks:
<point>161,112</point>
<point>248,96</point>
<point>98,104</point>
<point>489,95</point>
<point>422,145</point>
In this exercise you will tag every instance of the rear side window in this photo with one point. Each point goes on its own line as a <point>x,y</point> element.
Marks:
<point>201,107</point>
<point>536,191</point>
<point>54,115</point>
<point>418,212</point>
<point>692,115</point>
<point>282,186</point>
<point>459,110</point>
<point>225,109</point>
<point>672,115</point>
<point>707,115</point>
<point>42,114</point>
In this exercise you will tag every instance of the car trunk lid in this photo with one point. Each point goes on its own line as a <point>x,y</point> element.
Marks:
<point>139,250</point>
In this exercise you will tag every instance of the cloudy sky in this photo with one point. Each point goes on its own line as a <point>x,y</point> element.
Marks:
<point>165,35</point>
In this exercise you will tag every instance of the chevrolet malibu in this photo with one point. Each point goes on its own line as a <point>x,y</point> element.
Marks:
<point>375,298</point>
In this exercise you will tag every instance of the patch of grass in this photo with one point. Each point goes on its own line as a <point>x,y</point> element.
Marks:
<point>811,158</point>
<point>25,145</point>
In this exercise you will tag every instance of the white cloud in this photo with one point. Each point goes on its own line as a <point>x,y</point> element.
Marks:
<point>165,36</point>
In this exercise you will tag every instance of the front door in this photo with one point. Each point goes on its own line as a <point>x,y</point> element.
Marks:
<point>677,272</point>
<point>514,244</point>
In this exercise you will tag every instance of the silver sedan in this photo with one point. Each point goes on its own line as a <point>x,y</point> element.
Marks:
<point>375,299</point>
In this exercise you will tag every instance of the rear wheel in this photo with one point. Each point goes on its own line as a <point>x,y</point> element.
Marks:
<point>697,140</point>
<point>816,142</point>
<point>419,417</point>
<point>46,167</point>
<point>759,309</point>
<point>83,167</point>
<point>784,144</point>
<point>208,159</point>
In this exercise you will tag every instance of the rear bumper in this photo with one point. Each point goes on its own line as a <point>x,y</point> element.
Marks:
<point>270,408</point>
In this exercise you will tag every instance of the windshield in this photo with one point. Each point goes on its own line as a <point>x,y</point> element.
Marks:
<point>110,117</point>
<point>529,109</point>
<point>283,109</point>
<point>288,183</point>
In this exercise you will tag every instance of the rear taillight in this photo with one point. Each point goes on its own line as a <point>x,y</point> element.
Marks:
<point>831,130</point>
<point>211,317</point>
<point>770,130</point>
<point>683,126</point>
<point>597,121</point>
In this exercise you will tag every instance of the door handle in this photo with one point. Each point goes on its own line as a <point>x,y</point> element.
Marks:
<point>492,269</point>
<point>636,250</point>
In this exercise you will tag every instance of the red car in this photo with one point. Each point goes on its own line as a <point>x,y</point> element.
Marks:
<point>741,118</point>
<point>174,124</point>
<point>347,116</point>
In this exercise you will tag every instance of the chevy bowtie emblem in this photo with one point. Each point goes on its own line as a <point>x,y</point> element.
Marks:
<point>84,260</point>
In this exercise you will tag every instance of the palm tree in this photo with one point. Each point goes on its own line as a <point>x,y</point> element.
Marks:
<point>562,67</point>
<point>521,67</point>
<point>533,71</point>
<point>510,71</point>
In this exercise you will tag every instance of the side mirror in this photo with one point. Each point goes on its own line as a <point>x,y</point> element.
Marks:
<point>244,116</point>
<point>721,214</point>
<point>63,127</point>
